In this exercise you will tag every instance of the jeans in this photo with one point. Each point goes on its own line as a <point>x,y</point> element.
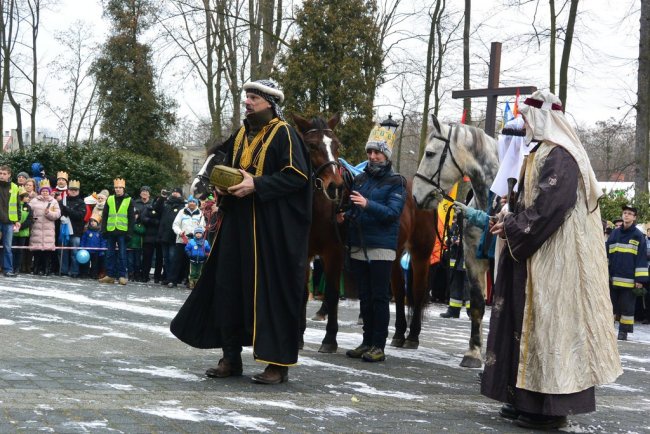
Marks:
<point>169,256</point>
<point>372,279</point>
<point>69,264</point>
<point>134,262</point>
<point>7,238</point>
<point>116,259</point>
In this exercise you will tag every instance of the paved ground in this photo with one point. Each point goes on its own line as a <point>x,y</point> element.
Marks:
<point>76,356</point>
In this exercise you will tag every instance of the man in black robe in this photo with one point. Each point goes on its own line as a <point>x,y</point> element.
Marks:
<point>251,287</point>
<point>551,338</point>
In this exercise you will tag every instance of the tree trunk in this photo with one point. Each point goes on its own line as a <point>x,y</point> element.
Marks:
<point>35,10</point>
<point>254,16</point>
<point>428,80</point>
<point>642,109</point>
<point>467,102</point>
<point>566,51</point>
<point>553,34</point>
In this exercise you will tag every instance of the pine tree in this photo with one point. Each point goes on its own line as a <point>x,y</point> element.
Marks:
<point>335,66</point>
<point>135,115</point>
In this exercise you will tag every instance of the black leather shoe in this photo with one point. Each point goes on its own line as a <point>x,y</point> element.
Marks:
<point>273,374</point>
<point>508,411</point>
<point>622,336</point>
<point>540,421</point>
<point>10,274</point>
<point>225,368</point>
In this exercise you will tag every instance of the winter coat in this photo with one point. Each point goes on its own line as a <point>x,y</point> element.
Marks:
<point>135,241</point>
<point>75,210</point>
<point>26,220</point>
<point>97,212</point>
<point>150,218</point>
<point>626,252</point>
<point>185,223</point>
<point>377,225</point>
<point>168,214</point>
<point>93,238</point>
<point>43,236</point>
<point>197,251</point>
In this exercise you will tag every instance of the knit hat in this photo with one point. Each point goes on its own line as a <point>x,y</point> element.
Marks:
<point>381,139</point>
<point>198,229</point>
<point>192,199</point>
<point>268,90</point>
<point>178,190</point>
<point>104,193</point>
<point>44,185</point>
<point>23,174</point>
<point>145,188</point>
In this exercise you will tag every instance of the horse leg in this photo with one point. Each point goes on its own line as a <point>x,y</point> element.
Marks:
<point>419,296</point>
<point>332,264</point>
<point>472,358</point>
<point>397,285</point>
<point>321,313</point>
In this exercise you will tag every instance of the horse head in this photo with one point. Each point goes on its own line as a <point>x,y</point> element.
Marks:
<point>323,145</point>
<point>453,151</point>
<point>200,187</point>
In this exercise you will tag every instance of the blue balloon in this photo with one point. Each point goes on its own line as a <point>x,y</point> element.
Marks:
<point>82,256</point>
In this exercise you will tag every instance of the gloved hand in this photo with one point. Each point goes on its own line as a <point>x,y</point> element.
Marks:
<point>468,212</point>
<point>184,238</point>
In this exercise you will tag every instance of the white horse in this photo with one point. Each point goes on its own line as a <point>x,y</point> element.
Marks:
<point>453,151</point>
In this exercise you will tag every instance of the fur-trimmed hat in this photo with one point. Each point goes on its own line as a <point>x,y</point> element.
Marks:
<point>269,90</point>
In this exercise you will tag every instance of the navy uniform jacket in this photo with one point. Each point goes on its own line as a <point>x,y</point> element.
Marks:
<point>626,251</point>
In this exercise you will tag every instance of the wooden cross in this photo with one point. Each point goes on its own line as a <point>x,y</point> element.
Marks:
<point>493,90</point>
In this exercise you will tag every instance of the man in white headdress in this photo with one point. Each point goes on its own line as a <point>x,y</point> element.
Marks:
<point>551,338</point>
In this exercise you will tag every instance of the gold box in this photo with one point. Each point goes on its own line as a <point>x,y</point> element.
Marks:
<point>223,177</point>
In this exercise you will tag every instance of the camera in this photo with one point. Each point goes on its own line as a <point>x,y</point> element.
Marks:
<point>164,192</point>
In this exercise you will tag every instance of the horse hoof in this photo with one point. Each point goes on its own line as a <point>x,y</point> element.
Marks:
<point>411,345</point>
<point>328,348</point>
<point>397,342</point>
<point>471,362</point>
<point>319,317</point>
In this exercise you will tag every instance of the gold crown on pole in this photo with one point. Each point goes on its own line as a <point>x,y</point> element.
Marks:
<point>62,174</point>
<point>119,182</point>
<point>74,184</point>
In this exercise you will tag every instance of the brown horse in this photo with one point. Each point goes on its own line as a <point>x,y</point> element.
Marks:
<point>417,236</point>
<point>325,237</point>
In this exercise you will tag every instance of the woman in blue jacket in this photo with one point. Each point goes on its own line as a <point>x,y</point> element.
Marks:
<point>378,196</point>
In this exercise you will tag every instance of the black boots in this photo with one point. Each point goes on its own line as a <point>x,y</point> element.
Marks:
<point>452,312</point>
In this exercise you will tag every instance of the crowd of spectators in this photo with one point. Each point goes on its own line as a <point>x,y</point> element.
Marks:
<point>50,228</point>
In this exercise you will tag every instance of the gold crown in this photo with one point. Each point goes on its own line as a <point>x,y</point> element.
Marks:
<point>119,182</point>
<point>381,139</point>
<point>74,184</point>
<point>21,190</point>
<point>62,174</point>
<point>44,183</point>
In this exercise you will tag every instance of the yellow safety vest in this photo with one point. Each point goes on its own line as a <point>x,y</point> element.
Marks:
<point>13,203</point>
<point>118,220</point>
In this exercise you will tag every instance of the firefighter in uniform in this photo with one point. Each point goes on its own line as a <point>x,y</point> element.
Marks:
<point>456,273</point>
<point>628,269</point>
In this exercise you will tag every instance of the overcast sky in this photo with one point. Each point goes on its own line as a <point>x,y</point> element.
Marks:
<point>603,78</point>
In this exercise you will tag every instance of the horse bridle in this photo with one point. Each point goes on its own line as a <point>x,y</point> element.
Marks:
<point>317,181</point>
<point>435,183</point>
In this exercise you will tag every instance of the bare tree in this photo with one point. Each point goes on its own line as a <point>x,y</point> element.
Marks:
<point>10,26</point>
<point>73,69</point>
<point>643,100</point>
<point>607,144</point>
<point>265,27</point>
<point>467,102</point>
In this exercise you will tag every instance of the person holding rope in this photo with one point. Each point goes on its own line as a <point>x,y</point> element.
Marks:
<point>42,241</point>
<point>117,224</point>
<point>10,211</point>
<point>378,196</point>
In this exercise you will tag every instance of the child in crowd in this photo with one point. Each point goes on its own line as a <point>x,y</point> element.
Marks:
<point>92,238</point>
<point>197,249</point>
<point>134,252</point>
<point>21,238</point>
